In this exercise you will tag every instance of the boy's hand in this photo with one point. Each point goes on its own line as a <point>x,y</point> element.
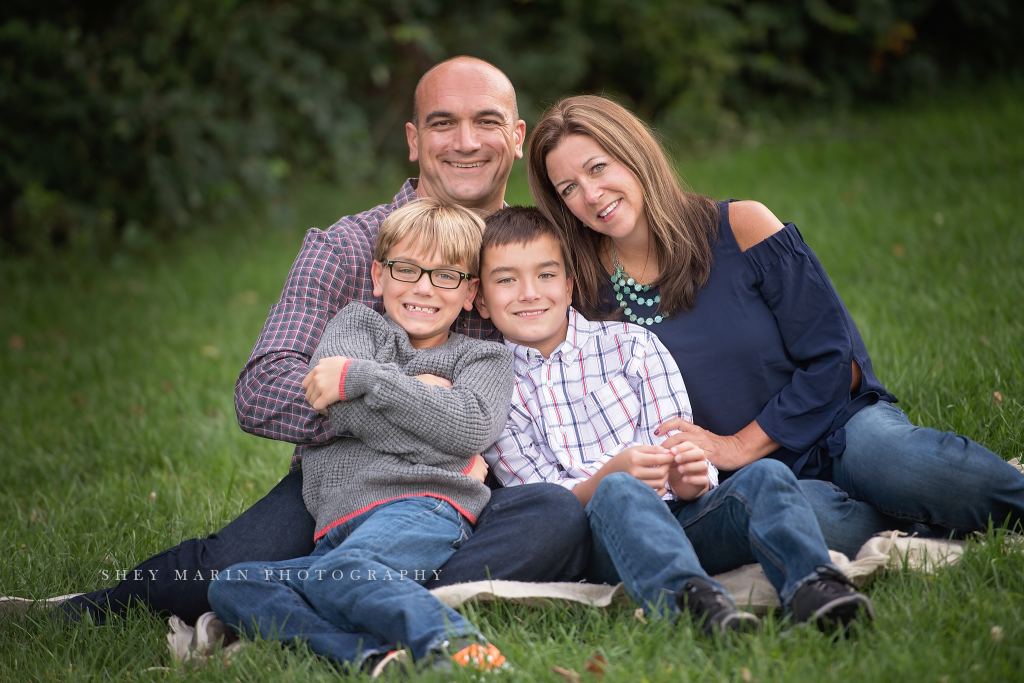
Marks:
<point>321,383</point>
<point>688,476</point>
<point>434,380</point>
<point>479,469</point>
<point>649,464</point>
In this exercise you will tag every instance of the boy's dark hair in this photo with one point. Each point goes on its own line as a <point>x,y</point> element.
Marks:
<point>521,225</point>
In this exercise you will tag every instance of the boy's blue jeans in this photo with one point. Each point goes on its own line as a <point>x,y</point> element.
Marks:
<point>757,515</point>
<point>360,592</point>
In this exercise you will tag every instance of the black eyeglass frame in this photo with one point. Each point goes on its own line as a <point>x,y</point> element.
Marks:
<point>390,265</point>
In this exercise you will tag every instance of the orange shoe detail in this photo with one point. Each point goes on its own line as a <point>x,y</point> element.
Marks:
<point>480,657</point>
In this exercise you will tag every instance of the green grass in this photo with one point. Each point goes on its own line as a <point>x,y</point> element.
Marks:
<point>116,384</point>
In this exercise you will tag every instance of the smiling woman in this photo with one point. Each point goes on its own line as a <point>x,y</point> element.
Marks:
<point>773,361</point>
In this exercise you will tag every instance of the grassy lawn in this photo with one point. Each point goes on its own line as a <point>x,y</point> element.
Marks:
<point>118,437</point>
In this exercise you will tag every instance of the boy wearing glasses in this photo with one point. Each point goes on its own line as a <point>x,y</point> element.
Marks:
<point>396,499</point>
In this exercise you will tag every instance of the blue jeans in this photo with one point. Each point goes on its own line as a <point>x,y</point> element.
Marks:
<point>278,527</point>
<point>756,515</point>
<point>360,592</point>
<point>895,475</point>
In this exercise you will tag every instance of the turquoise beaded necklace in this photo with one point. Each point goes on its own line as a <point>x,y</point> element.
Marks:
<point>625,286</point>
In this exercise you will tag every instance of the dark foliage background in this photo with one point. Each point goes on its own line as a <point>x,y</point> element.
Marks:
<point>121,119</point>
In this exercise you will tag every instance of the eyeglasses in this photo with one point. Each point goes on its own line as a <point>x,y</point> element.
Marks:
<point>445,278</point>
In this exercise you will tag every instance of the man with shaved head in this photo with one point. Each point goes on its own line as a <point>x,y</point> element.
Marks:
<point>465,133</point>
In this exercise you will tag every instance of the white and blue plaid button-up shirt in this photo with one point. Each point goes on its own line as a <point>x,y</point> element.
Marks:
<point>605,389</point>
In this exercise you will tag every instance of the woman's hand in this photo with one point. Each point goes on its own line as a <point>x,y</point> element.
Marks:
<point>725,452</point>
<point>479,469</point>
<point>321,383</point>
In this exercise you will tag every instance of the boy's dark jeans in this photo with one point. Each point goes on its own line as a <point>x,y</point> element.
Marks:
<point>526,533</point>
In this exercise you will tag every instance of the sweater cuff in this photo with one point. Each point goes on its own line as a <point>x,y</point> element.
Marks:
<point>341,380</point>
<point>357,378</point>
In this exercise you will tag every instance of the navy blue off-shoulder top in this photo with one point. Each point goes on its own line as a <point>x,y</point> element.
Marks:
<point>769,339</point>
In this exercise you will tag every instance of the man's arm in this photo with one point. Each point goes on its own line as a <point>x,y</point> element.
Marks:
<point>269,399</point>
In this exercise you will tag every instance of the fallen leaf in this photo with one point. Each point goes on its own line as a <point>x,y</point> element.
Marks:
<point>166,387</point>
<point>596,664</point>
<point>36,515</point>
<point>568,674</point>
<point>639,614</point>
<point>16,342</point>
<point>107,559</point>
<point>79,400</point>
<point>939,218</point>
<point>138,410</point>
<point>746,675</point>
<point>944,679</point>
<point>212,412</point>
<point>899,250</point>
<point>998,397</point>
<point>211,351</point>
<point>997,633</point>
<point>152,496</point>
<point>22,546</point>
<point>248,484</point>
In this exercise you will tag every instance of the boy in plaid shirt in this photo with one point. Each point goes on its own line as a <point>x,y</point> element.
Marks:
<point>588,401</point>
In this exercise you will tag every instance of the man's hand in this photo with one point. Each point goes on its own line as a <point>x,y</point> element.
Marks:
<point>434,380</point>
<point>479,469</point>
<point>321,383</point>
<point>688,476</point>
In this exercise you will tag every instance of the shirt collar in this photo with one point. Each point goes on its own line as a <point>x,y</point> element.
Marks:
<point>579,331</point>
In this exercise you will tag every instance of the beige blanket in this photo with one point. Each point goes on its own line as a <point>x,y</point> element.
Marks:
<point>749,585</point>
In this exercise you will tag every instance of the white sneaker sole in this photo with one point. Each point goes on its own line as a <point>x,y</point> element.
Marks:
<point>11,605</point>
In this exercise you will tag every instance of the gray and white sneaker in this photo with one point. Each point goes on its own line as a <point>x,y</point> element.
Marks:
<point>15,606</point>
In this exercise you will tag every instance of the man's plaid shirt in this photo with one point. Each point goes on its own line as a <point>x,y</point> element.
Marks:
<point>605,389</point>
<point>331,270</point>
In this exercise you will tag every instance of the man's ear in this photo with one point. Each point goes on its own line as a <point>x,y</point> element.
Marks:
<point>519,134</point>
<point>471,292</point>
<point>412,136</point>
<point>568,287</point>
<point>377,275</point>
<point>481,305</point>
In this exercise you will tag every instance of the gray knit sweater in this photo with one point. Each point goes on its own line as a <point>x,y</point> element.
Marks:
<point>408,438</point>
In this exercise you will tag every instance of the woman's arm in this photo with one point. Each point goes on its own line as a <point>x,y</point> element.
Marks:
<point>815,329</point>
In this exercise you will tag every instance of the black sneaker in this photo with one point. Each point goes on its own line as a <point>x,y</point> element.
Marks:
<point>830,601</point>
<point>712,609</point>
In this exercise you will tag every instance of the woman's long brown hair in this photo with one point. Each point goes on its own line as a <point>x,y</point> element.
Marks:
<point>684,224</point>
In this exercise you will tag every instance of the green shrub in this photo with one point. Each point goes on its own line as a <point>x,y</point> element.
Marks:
<point>125,118</point>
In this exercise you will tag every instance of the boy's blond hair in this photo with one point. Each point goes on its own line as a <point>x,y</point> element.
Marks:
<point>452,230</point>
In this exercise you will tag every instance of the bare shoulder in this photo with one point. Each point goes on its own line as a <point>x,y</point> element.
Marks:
<point>752,222</point>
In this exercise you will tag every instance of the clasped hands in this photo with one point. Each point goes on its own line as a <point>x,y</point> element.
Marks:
<point>322,385</point>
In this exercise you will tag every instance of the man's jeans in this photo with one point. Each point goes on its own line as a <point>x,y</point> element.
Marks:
<point>525,533</point>
<point>360,592</point>
<point>894,475</point>
<point>756,515</point>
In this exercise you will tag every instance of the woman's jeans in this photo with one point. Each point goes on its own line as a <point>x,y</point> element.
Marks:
<point>895,475</point>
<point>757,515</point>
<point>360,592</point>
